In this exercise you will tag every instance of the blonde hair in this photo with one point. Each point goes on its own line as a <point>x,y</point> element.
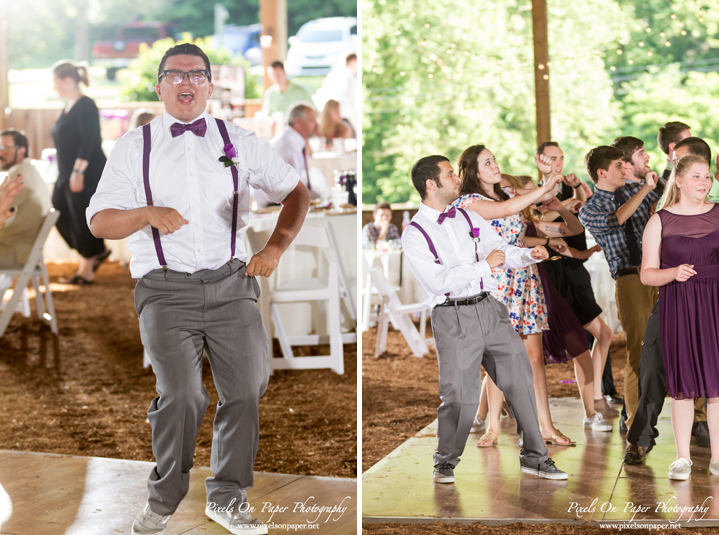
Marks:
<point>672,194</point>
<point>66,68</point>
<point>519,182</point>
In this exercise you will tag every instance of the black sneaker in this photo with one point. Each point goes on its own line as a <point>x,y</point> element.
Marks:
<point>443,473</point>
<point>635,454</point>
<point>700,431</point>
<point>546,469</point>
<point>623,426</point>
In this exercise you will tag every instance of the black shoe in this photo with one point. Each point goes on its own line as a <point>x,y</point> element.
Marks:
<point>623,426</point>
<point>614,399</point>
<point>443,473</point>
<point>700,431</point>
<point>547,469</point>
<point>635,454</point>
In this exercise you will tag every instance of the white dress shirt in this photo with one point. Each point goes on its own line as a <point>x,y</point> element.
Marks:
<point>459,273</point>
<point>289,144</point>
<point>186,174</point>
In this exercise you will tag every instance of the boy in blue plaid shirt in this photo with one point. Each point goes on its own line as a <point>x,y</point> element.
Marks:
<point>616,216</point>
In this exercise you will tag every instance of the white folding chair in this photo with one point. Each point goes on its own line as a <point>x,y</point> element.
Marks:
<point>393,310</point>
<point>35,270</point>
<point>370,296</point>
<point>330,289</point>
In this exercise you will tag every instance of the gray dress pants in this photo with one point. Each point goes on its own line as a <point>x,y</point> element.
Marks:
<point>468,337</point>
<point>180,314</point>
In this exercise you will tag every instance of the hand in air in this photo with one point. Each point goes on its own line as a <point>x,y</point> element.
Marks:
<point>544,163</point>
<point>573,205</point>
<point>651,179</point>
<point>684,272</point>
<point>166,220</point>
<point>553,204</point>
<point>571,180</point>
<point>539,253</point>
<point>495,258</point>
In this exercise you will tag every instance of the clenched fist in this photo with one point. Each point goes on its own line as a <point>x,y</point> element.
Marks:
<point>166,220</point>
<point>495,258</point>
<point>539,253</point>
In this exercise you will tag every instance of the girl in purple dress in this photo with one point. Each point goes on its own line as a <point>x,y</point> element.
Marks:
<point>681,256</point>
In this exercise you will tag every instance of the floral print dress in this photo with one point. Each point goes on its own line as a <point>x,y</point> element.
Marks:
<point>519,289</point>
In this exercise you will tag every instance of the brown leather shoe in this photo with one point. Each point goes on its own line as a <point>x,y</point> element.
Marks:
<point>635,454</point>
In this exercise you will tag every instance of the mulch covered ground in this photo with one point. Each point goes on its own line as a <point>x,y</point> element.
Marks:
<point>400,397</point>
<point>86,393</point>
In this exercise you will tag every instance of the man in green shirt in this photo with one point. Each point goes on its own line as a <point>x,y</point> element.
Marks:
<point>283,93</point>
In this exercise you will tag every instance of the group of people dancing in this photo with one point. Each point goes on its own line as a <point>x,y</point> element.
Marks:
<point>664,294</point>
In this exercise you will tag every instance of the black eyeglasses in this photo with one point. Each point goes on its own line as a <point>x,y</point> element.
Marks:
<point>6,147</point>
<point>176,77</point>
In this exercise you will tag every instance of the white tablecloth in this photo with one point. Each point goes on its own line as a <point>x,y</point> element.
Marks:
<point>329,162</point>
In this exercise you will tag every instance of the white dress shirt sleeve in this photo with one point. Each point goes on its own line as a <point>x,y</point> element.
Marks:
<point>437,279</point>
<point>117,186</point>
<point>267,170</point>
<point>514,257</point>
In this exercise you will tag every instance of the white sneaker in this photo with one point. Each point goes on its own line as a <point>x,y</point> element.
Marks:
<point>149,523</point>
<point>714,468</point>
<point>596,423</point>
<point>680,469</point>
<point>478,426</point>
<point>237,522</point>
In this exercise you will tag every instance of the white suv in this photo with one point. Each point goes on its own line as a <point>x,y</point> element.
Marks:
<point>321,45</point>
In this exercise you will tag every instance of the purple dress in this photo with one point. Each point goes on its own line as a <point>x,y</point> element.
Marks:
<point>690,310</point>
<point>565,338</point>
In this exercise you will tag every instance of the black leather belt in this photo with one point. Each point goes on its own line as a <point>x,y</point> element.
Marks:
<point>626,271</point>
<point>468,301</point>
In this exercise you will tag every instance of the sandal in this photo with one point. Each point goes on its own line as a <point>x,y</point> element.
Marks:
<point>99,259</point>
<point>556,437</point>
<point>487,440</point>
<point>76,279</point>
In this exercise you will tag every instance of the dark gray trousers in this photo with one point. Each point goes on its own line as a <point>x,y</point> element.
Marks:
<point>467,338</point>
<point>180,314</point>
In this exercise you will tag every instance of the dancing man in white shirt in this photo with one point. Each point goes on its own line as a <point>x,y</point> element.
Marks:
<point>194,289</point>
<point>452,254</point>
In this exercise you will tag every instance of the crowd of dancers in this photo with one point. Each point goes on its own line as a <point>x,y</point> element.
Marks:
<point>500,260</point>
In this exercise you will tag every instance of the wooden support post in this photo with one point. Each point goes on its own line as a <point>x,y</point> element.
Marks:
<point>273,16</point>
<point>4,65</point>
<point>541,70</point>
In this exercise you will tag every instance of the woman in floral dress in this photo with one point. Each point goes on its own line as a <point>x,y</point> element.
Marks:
<point>519,289</point>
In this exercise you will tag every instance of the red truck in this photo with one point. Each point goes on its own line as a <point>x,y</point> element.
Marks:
<point>117,54</point>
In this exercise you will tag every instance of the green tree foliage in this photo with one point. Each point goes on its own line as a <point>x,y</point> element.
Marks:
<point>438,81</point>
<point>139,82</point>
<point>39,32</point>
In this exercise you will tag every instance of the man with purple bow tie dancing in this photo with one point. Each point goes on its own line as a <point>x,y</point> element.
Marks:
<point>180,187</point>
<point>452,254</point>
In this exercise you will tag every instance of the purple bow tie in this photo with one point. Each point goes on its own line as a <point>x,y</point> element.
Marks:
<point>198,128</point>
<point>449,213</point>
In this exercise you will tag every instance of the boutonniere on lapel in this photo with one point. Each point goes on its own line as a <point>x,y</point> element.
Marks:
<point>228,158</point>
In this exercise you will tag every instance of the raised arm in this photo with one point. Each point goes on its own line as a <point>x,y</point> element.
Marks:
<point>570,227</point>
<point>626,210</point>
<point>499,210</point>
<point>8,190</point>
<point>113,224</point>
<point>289,223</point>
<point>652,274</point>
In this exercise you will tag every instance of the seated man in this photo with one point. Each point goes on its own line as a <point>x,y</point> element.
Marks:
<point>32,204</point>
<point>452,254</point>
<point>381,228</point>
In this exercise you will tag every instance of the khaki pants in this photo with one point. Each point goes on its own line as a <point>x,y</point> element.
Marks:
<point>634,305</point>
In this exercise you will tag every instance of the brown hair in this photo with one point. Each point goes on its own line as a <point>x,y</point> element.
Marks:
<point>540,149</point>
<point>381,206</point>
<point>696,146</point>
<point>66,68</point>
<point>669,133</point>
<point>425,169</point>
<point>628,144</point>
<point>600,158</point>
<point>469,174</point>
<point>185,49</point>
<point>518,182</point>
<point>328,129</point>
<point>673,194</point>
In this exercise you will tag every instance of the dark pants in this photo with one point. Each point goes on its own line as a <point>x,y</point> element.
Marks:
<point>72,224</point>
<point>180,314</point>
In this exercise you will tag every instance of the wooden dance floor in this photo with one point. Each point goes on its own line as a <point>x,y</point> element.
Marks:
<point>490,489</point>
<point>42,494</point>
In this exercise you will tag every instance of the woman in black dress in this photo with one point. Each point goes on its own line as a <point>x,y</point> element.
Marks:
<point>80,162</point>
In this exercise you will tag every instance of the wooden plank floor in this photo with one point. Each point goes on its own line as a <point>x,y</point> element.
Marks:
<point>42,494</point>
<point>489,487</point>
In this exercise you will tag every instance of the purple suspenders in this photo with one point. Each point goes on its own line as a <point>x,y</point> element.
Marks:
<point>148,193</point>
<point>474,233</point>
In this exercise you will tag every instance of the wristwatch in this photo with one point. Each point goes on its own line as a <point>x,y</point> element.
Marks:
<point>578,185</point>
